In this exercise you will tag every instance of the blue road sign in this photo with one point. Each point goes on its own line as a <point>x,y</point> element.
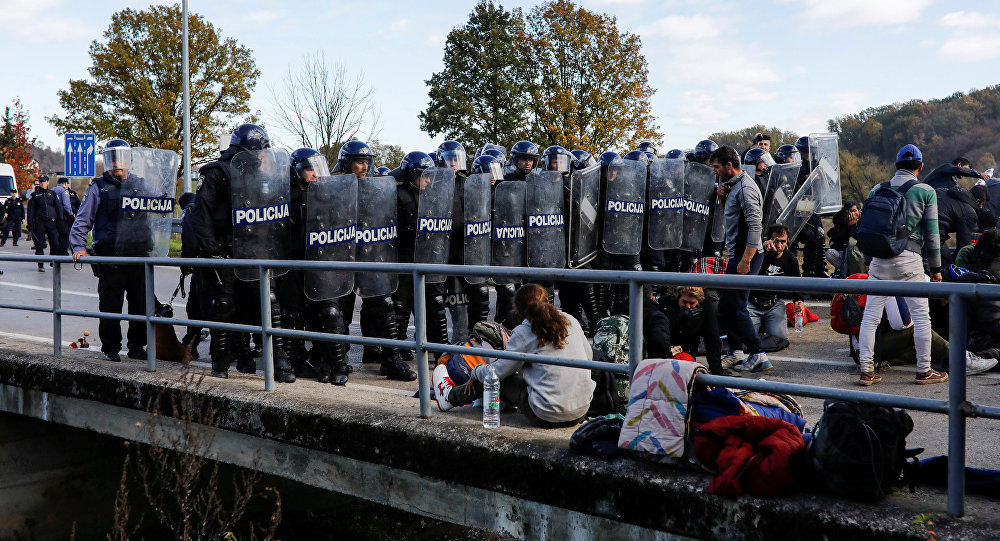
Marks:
<point>80,149</point>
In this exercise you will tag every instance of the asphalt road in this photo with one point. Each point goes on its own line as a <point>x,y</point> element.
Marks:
<point>816,356</point>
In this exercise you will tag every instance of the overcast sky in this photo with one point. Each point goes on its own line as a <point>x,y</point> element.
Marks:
<point>715,65</point>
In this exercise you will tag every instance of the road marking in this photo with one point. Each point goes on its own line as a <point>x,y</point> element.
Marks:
<point>49,289</point>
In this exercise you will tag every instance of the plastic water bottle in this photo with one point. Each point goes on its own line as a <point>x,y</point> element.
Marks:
<point>798,322</point>
<point>491,399</point>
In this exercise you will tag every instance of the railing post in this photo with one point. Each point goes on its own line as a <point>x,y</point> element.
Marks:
<point>56,305</point>
<point>419,337</point>
<point>150,310</point>
<point>634,325</point>
<point>956,399</point>
<point>267,351</point>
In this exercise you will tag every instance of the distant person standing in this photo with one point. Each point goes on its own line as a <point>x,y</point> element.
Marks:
<point>62,194</point>
<point>13,212</point>
<point>45,216</point>
<point>922,221</point>
<point>946,175</point>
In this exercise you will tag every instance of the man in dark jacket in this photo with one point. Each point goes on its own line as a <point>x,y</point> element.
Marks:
<point>692,320</point>
<point>945,175</point>
<point>13,213</point>
<point>957,213</point>
<point>46,217</point>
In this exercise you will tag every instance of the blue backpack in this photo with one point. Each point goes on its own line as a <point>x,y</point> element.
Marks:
<point>882,230</point>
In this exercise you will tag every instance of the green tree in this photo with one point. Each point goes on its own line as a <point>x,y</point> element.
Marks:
<point>591,87</point>
<point>387,155</point>
<point>742,139</point>
<point>859,174</point>
<point>135,86</point>
<point>480,95</point>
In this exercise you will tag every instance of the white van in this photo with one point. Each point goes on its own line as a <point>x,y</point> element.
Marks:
<point>7,182</point>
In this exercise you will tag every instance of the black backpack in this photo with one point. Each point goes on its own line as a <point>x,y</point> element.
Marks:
<point>859,450</point>
<point>882,230</point>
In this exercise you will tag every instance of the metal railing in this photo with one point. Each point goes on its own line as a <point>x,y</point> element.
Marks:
<point>956,407</point>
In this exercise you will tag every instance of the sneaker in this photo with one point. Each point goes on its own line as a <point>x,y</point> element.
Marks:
<point>930,377</point>
<point>442,387</point>
<point>758,362</point>
<point>730,361</point>
<point>869,378</point>
<point>112,357</point>
<point>974,364</point>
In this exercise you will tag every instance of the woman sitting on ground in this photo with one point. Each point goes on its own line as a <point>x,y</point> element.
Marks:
<point>549,396</point>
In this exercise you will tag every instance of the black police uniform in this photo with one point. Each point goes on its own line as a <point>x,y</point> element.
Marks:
<point>232,300</point>
<point>13,216</point>
<point>45,215</point>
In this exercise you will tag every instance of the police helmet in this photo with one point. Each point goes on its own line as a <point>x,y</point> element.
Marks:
<point>413,164</point>
<point>117,155</point>
<point>675,153</point>
<point>647,146</point>
<point>704,149</point>
<point>689,156</point>
<point>351,152</point>
<point>489,165</point>
<point>557,158</point>
<point>308,159</point>
<point>755,156</point>
<point>582,159</point>
<point>524,149</point>
<point>802,143</point>
<point>452,152</point>
<point>500,155</point>
<point>249,137</point>
<point>639,156</point>
<point>787,154</point>
<point>609,157</point>
<point>383,171</point>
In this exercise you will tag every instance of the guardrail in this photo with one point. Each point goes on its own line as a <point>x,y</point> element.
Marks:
<point>956,407</point>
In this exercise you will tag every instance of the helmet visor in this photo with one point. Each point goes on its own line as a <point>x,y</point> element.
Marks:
<point>455,160</point>
<point>767,159</point>
<point>556,162</point>
<point>495,170</point>
<point>317,164</point>
<point>117,158</point>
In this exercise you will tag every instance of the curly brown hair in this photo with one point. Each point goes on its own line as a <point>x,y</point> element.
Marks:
<point>551,327</point>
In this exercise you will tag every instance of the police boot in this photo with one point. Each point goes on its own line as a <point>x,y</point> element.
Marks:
<point>393,367</point>
<point>437,325</point>
<point>298,355</point>
<point>283,372</point>
<point>397,329</point>
<point>601,301</point>
<point>589,303</point>
<point>245,364</point>
<point>339,369</point>
<point>371,355</point>
<point>220,353</point>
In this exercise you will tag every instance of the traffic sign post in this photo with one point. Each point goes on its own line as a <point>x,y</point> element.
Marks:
<point>80,149</point>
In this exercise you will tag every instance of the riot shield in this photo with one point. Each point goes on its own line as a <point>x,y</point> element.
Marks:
<point>508,227</point>
<point>434,206</point>
<point>476,194</point>
<point>546,240</point>
<point>666,204</point>
<point>824,147</point>
<point>780,188</point>
<point>624,207</point>
<point>719,220</point>
<point>260,193</point>
<point>584,198</point>
<point>804,203</point>
<point>331,227</point>
<point>699,192</point>
<point>376,234</point>
<point>146,209</point>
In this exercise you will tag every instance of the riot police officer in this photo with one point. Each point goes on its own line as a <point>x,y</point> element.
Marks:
<point>377,314</point>
<point>45,216</point>
<point>235,299</point>
<point>523,159</point>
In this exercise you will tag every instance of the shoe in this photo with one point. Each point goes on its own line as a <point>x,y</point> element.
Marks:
<point>730,361</point>
<point>138,355</point>
<point>41,268</point>
<point>758,362</point>
<point>869,378</point>
<point>394,368</point>
<point>224,374</point>
<point>974,364</point>
<point>338,374</point>
<point>283,372</point>
<point>246,366</point>
<point>443,385</point>
<point>727,372</point>
<point>112,357</point>
<point>930,377</point>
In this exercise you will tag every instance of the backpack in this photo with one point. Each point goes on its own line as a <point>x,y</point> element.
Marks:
<point>485,334</point>
<point>859,450</point>
<point>882,230</point>
<point>611,345</point>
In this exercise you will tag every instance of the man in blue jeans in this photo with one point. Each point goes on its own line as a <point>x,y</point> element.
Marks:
<point>743,213</point>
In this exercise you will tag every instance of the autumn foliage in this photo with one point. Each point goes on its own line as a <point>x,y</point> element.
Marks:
<point>16,145</point>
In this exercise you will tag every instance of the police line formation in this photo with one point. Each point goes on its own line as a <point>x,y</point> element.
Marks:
<point>548,209</point>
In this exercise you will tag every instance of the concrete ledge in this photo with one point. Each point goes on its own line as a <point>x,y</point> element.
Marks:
<point>518,481</point>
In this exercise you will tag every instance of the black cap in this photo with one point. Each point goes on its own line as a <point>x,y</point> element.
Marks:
<point>63,180</point>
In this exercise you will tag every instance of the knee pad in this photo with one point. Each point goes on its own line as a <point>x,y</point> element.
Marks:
<point>330,318</point>
<point>223,308</point>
